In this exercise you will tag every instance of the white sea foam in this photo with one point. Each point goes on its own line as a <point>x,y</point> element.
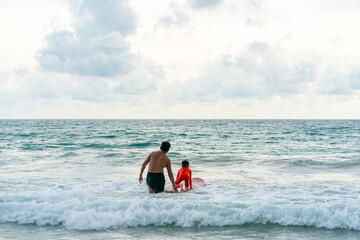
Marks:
<point>83,210</point>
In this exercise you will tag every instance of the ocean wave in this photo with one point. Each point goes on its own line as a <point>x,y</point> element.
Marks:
<point>329,163</point>
<point>303,162</point>
<point>108,136</point>
<point>69,154</point>
<point>110,155</point>
<point>347,163</point>
<point>98,145</point>
<point>84,213</point>
<point>142,144</point>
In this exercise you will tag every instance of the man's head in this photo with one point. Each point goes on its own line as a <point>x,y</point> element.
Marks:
<point>165,146</point>
<point>185,163</point>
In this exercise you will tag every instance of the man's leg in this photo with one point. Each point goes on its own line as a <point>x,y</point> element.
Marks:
<point>150,182</point>
<point>160,183</point>
<point>150,189</point>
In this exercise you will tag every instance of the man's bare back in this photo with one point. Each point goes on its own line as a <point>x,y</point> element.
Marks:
<point>157,162</point>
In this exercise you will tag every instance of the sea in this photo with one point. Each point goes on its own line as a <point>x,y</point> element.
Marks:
<point>265,179</point>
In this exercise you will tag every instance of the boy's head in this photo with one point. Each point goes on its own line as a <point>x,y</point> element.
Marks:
<point>165,146</point>
<point>185,163</point>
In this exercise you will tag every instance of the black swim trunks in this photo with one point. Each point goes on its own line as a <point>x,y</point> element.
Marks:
<point>156,181</point>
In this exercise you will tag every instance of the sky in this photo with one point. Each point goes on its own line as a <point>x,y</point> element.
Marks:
<point>184,59</point>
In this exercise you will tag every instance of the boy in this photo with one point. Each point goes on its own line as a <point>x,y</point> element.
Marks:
<point>184,174</point>
<point>158,161</point>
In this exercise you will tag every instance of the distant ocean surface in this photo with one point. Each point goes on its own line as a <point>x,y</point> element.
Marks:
<point>265,179</point>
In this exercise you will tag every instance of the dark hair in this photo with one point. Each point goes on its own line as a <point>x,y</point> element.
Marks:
<point>165,146</point>
<point>185,163</point>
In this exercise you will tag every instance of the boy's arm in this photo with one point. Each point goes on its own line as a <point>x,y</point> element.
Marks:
<point>171,176</point>
<point>147,160</point>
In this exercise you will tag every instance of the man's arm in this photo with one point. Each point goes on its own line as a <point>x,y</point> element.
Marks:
<point>147,160</point>
<point>177,177</point>
<point>171,176</point>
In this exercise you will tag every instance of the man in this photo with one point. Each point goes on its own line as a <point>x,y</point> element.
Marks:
<point>158,161</point>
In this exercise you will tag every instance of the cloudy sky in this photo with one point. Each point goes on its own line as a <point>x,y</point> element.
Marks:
<point>180,59</point>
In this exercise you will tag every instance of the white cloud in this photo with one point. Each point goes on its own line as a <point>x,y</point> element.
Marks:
<point>197,4</point>
<point>23,25</point>
<point>67,53</point>
<point>339,81</point>
<point>94,61</point>
<point>91,62</point>
<point>19,87</point>
<point>97,46</point>
<point>177,18</point>
<point>253,22</point>
<point>259,72</point>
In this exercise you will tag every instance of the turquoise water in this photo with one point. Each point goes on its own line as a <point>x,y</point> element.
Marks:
<point>272,179</point>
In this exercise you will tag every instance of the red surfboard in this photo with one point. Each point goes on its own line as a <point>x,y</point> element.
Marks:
<point>196,182</point>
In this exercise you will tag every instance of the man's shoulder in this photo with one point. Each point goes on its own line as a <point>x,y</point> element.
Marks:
<point>167,158</point>
<point>157,154</point>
